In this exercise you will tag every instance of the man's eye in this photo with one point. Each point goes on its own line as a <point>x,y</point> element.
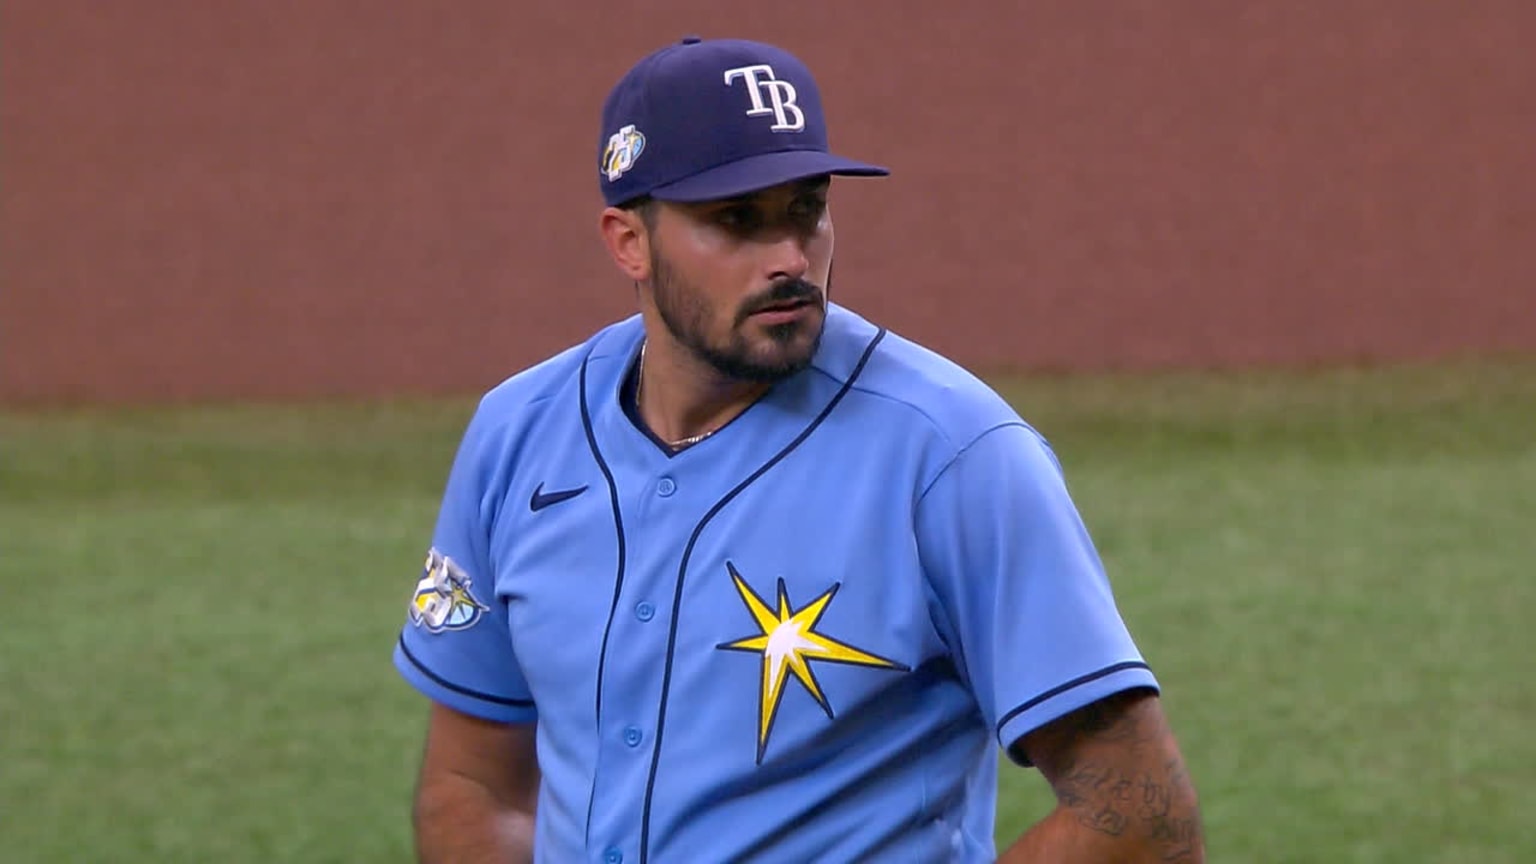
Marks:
<point>737,218</point>
<point>807,211</point>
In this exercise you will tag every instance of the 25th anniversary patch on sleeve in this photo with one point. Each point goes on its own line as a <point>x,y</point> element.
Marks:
<point>442,600</point>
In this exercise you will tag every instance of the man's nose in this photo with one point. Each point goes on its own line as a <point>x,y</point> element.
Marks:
<point>785,256</point>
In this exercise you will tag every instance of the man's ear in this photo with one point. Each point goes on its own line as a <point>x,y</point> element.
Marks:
<point>628,242</point>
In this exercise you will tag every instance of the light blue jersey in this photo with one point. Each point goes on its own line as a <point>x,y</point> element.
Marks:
<point>802,639</point>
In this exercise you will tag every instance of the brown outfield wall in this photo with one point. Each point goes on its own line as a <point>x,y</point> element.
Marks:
<point>304,198</point>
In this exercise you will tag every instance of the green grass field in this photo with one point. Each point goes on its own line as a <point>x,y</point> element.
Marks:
<point>1332,574</point>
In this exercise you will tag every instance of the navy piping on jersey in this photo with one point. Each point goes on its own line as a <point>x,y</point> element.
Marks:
<point>682,571</point>
<point>618,524</point>
<point>618,576</point>
<point>484,697</point>
<point>1075,682</point>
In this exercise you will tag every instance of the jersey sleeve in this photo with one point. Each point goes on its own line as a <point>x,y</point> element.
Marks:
<point>1024,600</point>
<point>455,646</point>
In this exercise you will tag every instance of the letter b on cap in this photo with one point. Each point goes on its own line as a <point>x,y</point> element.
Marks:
<point>781,95</point>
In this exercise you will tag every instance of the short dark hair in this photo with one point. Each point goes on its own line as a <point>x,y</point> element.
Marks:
<point>645,206</point>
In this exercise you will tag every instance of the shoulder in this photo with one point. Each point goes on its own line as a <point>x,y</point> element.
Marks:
<point>932,394</point>
<point>524,399</point>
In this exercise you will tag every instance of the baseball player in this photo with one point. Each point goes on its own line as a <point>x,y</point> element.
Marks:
<point>746,577</point>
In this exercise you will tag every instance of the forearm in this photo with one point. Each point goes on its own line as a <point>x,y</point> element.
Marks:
<point>1062,838</point>
<point>458,821</point>
<point>1123,793</point>
<point>1106,816</point>
<point>1057,837</point>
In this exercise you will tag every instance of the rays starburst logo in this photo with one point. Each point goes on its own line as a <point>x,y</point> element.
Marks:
<point>788,643</point>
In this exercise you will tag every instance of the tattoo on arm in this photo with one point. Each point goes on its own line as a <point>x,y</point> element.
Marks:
<point>1147,795</point>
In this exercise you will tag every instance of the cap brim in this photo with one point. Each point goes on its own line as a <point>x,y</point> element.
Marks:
<point>760,172</point>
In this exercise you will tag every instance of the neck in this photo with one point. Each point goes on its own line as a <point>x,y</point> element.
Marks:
<point>683,399</point>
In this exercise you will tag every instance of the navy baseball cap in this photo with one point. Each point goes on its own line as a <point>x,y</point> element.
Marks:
<point>702,120</point>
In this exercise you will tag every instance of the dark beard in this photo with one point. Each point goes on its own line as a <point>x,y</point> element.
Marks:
<point>686,316</point>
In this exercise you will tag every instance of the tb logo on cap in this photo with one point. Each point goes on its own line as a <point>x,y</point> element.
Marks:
<point>780,93</point>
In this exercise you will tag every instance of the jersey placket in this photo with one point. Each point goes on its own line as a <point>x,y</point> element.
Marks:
<point>661,502</point>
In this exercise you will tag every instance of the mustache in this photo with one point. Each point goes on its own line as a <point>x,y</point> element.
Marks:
<point>781,292</point>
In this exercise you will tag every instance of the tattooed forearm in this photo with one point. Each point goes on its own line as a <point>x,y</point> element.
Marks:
<point>1170,814</point>
<point>1113,802</point>
<point>1119,774</point>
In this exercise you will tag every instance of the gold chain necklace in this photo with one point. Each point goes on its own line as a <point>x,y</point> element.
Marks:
<point>640,383</point>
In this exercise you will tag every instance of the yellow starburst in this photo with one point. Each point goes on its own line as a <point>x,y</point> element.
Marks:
<point>787,642</point>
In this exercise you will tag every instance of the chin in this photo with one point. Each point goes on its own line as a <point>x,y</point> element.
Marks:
<point>768,358</point>
<point>790,355</point>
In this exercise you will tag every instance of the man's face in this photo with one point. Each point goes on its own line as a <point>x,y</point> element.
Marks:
<point>741,282</point>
